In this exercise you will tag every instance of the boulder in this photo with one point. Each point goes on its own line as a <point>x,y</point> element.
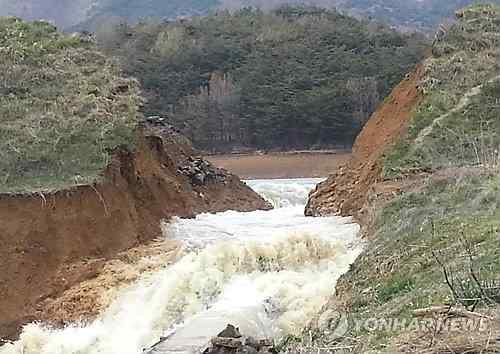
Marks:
<point>231,341</point>
<point>230,332</point>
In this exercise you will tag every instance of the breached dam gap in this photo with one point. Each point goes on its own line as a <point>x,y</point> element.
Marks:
<point>267,272</point>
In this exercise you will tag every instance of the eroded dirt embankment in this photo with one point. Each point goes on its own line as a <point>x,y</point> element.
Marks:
<point>347,191</point>
<point>50,242</point>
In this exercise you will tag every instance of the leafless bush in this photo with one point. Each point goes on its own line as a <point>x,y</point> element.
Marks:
<point>469,286</point>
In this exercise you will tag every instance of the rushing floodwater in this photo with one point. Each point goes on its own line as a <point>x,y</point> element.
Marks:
<point>265,272</point>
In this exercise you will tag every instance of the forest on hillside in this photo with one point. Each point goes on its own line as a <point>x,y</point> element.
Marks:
<point>294,78</point>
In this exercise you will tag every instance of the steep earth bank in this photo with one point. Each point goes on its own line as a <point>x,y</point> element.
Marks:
<point>50,242</point>
<point>424,182</point>
<point>347,191</point>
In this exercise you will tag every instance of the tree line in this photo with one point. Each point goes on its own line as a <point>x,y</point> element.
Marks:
<point>293,78</point>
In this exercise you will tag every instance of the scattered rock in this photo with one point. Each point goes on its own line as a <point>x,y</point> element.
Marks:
<point>252,342</point>
<point>266,343</point>
<point>231,341</point>
<point>230,332</point>
<point>201,172</point>
<point>227,342</point>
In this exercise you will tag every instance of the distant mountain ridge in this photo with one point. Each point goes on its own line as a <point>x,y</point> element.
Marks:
<point>423,15</point>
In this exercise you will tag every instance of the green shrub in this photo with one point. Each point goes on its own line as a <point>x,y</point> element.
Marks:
<point>395,286</point>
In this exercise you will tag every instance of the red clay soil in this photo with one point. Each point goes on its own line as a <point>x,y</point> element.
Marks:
<point>51,242</point>
<point>347,191</point>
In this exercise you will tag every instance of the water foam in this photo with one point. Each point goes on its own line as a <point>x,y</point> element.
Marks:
<point>285,192</point>
<point>268,272</point>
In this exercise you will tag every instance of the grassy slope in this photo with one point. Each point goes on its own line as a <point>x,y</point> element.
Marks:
<point>399,273</point>
<point>457,201</point>
<point>457,123</point>
<point>63,107</point>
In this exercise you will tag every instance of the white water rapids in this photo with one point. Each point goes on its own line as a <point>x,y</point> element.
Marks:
<point>265,272</point>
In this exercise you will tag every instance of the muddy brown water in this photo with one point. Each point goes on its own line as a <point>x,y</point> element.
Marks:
<point>282,165</point>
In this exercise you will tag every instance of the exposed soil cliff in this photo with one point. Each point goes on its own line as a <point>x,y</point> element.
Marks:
<point>50,242</point>
<point>429,204</point>
<point>347,191</point>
